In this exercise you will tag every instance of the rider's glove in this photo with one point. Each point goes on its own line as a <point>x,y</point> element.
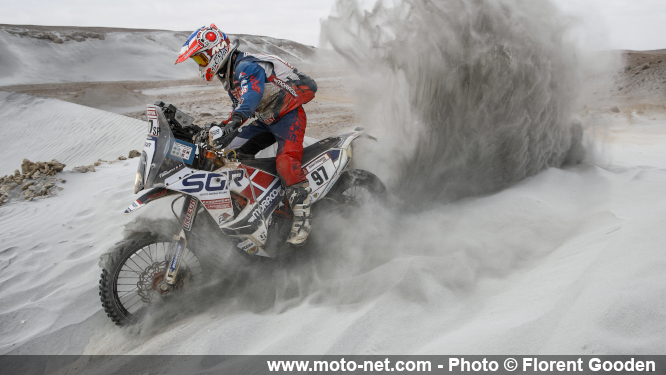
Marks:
<point>234,123</point>
<point>219,137</point>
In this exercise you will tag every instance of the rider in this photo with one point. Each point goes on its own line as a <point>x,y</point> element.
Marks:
<point>272,91</point>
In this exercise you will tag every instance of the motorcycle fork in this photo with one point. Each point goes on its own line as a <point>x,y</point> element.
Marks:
<point>187,215</point>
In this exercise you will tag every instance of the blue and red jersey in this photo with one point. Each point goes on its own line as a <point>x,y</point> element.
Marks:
<point>268,87</point>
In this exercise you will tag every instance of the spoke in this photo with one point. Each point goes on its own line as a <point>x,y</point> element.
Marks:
<point>142,250</point>
<point>129,299</point>
<point>150,253</point>
<point>128,292</point>
<point>130,306</point>
<point>142,269</point>
<point>130,269</point>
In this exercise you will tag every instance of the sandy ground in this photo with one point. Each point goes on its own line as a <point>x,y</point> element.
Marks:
<point>329,113</point>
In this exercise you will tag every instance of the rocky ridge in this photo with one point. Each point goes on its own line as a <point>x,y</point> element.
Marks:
<point>39,179</point>
<point>58,37</point>
<point>34,180</point>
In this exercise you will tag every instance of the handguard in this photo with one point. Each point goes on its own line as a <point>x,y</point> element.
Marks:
<point>219,139</point>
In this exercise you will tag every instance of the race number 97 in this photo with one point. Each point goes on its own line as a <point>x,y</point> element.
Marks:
<point>320,176</point>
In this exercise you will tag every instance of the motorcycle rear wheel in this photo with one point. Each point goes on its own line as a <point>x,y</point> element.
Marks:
<point>357,187</point>
<point>130,280</point>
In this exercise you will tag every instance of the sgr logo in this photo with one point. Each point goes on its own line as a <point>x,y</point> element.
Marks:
<point>211,181</point>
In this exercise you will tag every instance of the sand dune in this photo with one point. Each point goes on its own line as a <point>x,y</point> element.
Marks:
<point>34,56</point>
<point>42,129</point>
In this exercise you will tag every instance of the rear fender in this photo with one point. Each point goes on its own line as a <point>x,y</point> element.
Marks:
<point>347,138</point>
<point>149,196</point>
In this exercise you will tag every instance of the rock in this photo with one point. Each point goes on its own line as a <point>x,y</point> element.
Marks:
<point>134,154</point>
<point>97,163</point>
<point>206,114</point>
<point>646,66</point>
<point>36,175</point>
<point>50,168</point>
<point>122,157</point>
<point>26,166</point>
<point>615,109</point>
<point>63,180</point>
<point>85,168</point>
<point>27,185</point>
<point>42,192</point>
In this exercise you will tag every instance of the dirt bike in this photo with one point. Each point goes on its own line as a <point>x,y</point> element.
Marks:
<point>244,198</point>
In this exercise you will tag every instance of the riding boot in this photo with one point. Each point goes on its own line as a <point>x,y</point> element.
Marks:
<point>298,196</point>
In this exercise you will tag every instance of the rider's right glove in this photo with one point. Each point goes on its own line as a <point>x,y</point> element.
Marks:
<point>219,138</point>
<point>233,124</point>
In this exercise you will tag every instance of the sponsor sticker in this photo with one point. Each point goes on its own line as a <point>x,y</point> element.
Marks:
<point>217,204</point>
<point>172,170</point>
<point>187,224</point>
<point>247,245</point>
<point>265,203</point>
<point>315,164</point>
<point>181,151</point>
<point>222,218</point>
<point>159,194</point>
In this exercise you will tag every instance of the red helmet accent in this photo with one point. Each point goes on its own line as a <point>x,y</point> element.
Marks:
<point>209,41</point>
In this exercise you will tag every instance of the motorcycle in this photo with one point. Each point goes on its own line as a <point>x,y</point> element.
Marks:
<point>243,196</point>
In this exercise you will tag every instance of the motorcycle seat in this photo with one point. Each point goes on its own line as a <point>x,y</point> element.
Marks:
<point>309,153</point>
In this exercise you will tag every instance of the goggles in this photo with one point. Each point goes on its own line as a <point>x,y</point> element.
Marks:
<point>201,59</point>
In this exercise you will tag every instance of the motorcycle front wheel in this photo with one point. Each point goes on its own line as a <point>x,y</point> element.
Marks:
<point>132,277</point>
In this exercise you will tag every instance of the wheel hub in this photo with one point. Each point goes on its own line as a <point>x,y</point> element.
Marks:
<point>159,283</point>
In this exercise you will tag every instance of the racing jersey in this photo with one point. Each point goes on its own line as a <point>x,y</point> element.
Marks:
<point>268,87</point>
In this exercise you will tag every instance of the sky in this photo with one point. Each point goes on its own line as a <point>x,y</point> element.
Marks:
<point>606,24</point>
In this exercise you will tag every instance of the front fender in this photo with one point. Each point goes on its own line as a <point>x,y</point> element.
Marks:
<point>149,196</point>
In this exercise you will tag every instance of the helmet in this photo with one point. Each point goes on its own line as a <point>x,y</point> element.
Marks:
<point>209,47</point>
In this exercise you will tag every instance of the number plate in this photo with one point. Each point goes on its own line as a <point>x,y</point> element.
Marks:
<point>319,173</point>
